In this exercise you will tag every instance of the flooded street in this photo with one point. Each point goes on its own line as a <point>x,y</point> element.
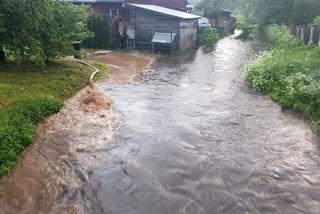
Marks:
<point>189,138</point>
<point>197,139</point>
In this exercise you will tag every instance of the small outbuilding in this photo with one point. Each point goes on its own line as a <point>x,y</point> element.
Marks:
<point>163,29</point>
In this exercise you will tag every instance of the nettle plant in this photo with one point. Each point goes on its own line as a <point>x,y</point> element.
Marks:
<point>289,73</point>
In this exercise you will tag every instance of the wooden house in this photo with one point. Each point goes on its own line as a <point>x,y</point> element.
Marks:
<point>162,28</point>
<point>222,20</point>
<point>162,25</point>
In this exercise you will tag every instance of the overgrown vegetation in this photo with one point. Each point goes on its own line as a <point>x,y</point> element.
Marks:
<point>209,37</point>
<point>290,73</point>
<point>248,31</point>
<point>265,12</point>
<point>33,31</point>
<point>316,20</point>
<point>29,95</point>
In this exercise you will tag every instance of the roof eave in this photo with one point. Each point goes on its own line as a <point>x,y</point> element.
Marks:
<point>177,17</point>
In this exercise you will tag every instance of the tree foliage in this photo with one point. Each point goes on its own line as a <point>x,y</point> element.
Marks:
<point>316,20</point>
<point>264,12</point>
<point>103,38</point>
<point>37,31</point>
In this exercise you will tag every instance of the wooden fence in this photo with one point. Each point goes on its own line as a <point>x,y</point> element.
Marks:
<point>308,34</point>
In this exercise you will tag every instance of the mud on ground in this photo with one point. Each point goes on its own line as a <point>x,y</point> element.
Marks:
<point>52,175</point>
<point>68,146</point>
<point>123,67</point>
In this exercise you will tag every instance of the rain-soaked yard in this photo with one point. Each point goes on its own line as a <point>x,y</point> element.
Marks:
<point>190,137</point>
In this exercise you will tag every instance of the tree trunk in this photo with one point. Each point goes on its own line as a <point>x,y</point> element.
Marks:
<point>2,55</point>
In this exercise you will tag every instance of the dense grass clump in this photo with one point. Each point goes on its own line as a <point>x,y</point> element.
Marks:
<point>290,73</point>
<point>209,37</point>
<point>248,31</point>
<point>29,95</point>
<point>17,126</point>
<point>279,38</point>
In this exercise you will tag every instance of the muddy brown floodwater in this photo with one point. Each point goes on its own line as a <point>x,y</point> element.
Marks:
<point>123,68</point>
<point>193,139</point>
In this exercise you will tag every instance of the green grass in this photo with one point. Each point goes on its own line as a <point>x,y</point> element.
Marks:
<point>29,95</point>
<point>290,73</point>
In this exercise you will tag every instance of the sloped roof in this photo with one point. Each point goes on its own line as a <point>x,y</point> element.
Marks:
<point>95,1</point>
<point>165,11</point>
<point>173,4</point>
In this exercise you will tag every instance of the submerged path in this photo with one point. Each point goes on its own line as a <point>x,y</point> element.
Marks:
<point>197,139</point>
<point>193,139</point>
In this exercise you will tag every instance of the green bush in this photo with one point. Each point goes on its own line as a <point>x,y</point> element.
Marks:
<point>289,73</point>
<point>316,20</point>
<point>17,127</point>
<point>209,37</point>
<point>35,32</point>
<point>279,37</point>
<point>248,31</point>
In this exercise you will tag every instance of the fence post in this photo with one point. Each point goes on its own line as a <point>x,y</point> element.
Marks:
<point>311,35</point>
<point>302,34</point>
<point>297,31</point>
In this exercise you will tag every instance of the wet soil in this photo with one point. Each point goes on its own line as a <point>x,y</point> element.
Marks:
<point>51,174</point>
<point>123,67</point>
<point>190,137</point>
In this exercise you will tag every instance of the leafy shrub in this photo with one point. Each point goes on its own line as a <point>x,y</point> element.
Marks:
<point>279,37</point>
<point>17,127</point>
<point>289,73</point>
<point>248,31</point>
<point>39,31</point>
<point>316,20</point>
<point>209,37</point>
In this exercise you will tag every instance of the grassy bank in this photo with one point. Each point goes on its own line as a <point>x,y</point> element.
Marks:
<point>28,95</point>
<point>290,73</point>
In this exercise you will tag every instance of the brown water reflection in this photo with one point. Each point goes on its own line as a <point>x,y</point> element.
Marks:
<point>193,138</point>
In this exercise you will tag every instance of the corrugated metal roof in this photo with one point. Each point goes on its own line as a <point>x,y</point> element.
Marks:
<point>166,11</point>
<point>94,1</point>
<point>164,38</point>
<point>172,4</point>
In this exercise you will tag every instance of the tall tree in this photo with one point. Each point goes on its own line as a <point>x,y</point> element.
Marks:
<point>37,31</point>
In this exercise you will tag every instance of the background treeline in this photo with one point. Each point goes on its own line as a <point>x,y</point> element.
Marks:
<point>264,12</point>
<point>38,31</point>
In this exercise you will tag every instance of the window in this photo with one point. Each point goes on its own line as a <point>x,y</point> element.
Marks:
<point>114,12</point>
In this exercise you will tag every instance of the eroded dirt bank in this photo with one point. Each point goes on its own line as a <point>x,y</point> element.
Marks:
<point>52,175</point>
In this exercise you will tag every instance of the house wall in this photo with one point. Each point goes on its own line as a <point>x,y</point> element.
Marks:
<point>147,23</point>
<point>188,33</point>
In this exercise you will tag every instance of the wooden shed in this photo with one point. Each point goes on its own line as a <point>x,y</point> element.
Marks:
<point>163,28</point>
